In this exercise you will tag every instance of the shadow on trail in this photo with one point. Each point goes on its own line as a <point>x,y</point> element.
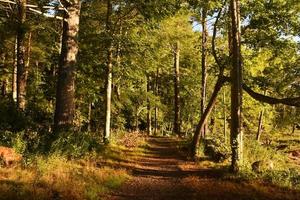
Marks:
<point>162,172</point>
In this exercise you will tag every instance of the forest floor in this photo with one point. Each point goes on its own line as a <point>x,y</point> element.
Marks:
<point>162,172</point>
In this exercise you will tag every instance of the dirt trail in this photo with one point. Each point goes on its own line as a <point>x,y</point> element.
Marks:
<point>163,173</point>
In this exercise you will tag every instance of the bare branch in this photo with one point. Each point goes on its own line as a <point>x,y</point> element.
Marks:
<point>46,14</point>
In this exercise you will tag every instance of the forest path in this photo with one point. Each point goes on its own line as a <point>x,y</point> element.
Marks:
<point>164,173</point>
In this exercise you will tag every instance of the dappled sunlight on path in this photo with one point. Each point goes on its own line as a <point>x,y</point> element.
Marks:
<point>164,173</point>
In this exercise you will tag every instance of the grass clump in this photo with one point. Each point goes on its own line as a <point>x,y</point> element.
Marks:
<point>56,177</point>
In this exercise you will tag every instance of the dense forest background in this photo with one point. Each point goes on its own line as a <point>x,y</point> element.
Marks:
<point>76,75</point>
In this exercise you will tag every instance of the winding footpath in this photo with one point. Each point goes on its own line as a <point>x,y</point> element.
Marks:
<point>163,173</point>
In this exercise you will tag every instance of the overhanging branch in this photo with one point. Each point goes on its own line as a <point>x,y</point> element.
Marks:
<point>271,100</point>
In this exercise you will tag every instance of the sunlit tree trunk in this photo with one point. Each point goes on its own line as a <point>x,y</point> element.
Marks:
<point>204,65</point>
<point>89,125</point>
<point>109,67</point>
<point>260,122</point>
<point>65,93</point>
<point>21,49</point>
<point>176,127</point>
<point>224,116</point>
<point>196,138</point>
<point>149,117</point>
<point>156,108</point>
<point>14,74</point>
<point>236,88</point>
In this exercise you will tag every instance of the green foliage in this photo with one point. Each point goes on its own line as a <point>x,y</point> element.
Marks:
<point>76,145</point>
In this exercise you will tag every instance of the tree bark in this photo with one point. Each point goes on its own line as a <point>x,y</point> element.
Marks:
<point>149,118</point>
<point>21,49</point>
<point>89,125</point>
<point>260,122</point>
<point>65,93</point>
<point>220,82</point>
<point>236,88</point>
<point>204,65</point>
<point>4,82</point>
<point>224,117</point>
<point>156,108</point>
<point>271,100</point>
<point>109,67</point>
<point>14,75</point>
<point>176,127</point>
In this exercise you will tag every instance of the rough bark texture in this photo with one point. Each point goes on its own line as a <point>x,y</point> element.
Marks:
<point>236,88</point>
<point>108,73</point>
<point>21,49</point>
<point>176,127</point>
<point>65,106</point>
<point>203,64</point>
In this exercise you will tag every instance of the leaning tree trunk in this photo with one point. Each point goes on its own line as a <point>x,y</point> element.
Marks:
<point>176,128</point>
<point>196,138</point>
<point>21,49</point>
<point>65,93</point>
<point>260,124</point>
<point>236,88</point>
<point>204,65</point>
<point>109,67</point>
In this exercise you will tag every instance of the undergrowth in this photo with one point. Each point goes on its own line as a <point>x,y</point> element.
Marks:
<point>78,166</point>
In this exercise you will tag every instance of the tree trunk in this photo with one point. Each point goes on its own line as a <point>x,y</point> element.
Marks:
<point>236,88</point>
<point>109,66</point>
<point>203,64</point>
<point>260,122</point>
<point>220,82</point>
<point>14,75</point>
<point>224,116</point>
<point>21,49</point>
<point>149,118</point>
<point>156,108</point>
<point>176,128</point>
<point>89,125</point>
<point>65,93</point>
<point>136,119</point>
<point>4,82</point>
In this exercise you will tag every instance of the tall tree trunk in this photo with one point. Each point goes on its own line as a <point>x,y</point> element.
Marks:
<point>224,116</point>
<point>156,108</point>
<point>4,82</point>
<point>176,127</point>
<point>109,67</point>
<point>21,49</point>
<point>14,75</point>
<point>204,65</point>
<point>65,93</point>
<point>149,117</point>
<point>236,88</point>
